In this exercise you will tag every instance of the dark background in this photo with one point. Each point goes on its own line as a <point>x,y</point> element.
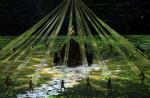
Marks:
<point>125,16</point>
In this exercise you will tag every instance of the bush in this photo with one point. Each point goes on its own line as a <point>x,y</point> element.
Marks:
<point>7,91</point>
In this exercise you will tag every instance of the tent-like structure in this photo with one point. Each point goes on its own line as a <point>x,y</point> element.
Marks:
<point>72,17</point>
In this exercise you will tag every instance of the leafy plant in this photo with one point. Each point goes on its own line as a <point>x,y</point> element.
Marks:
<point>7,91</point>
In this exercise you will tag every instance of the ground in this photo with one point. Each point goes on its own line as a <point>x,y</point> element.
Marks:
<point>125,82</point>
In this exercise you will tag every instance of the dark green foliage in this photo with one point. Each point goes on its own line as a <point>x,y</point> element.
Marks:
<point>7,91</point>
<point>140,41</point>
<point>129,90</point>
<point>5,40</point>
<point>41,81</point>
